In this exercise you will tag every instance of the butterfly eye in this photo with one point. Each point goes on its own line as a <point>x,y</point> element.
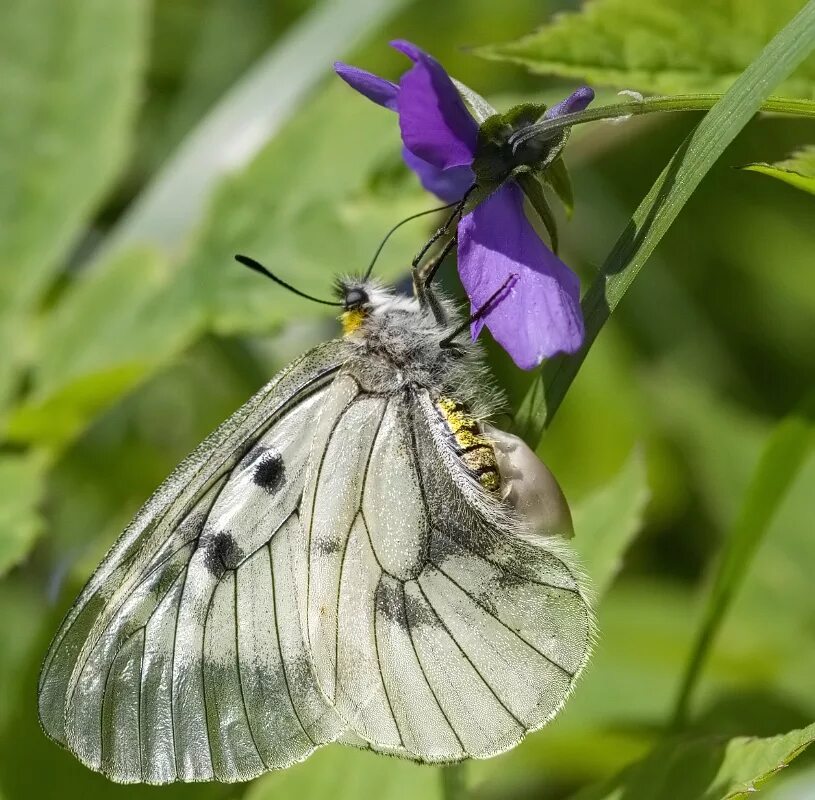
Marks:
<point>354,298</point>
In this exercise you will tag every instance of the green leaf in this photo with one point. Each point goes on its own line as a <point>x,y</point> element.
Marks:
<point>479,107</point>
<point>343,773</point>
<point>666,46</point>
<point>704,768</point>
<point>534,192</point>
<point>71,75</point>
<point>20,599</point>
<point>784,454</point>
<point>21,484</point>
<point>557,176</point>
<point>664,201</point>
<point>607,521</point>
<point>798,170</point>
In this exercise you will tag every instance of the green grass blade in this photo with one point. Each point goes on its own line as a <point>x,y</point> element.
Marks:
<point>665,200</point>
<point>784,454</point>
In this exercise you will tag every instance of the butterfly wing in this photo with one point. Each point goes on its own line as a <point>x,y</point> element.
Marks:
<point>437,631</point>
<point>183,658</point>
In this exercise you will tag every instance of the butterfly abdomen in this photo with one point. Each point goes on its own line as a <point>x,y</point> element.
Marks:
<point>471,445</point>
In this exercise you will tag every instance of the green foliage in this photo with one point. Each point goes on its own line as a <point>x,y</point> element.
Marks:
<point>672,189</point>
<point>784,454</point>
<point>63,137</point>
<point>138,324</point>
<point>705,769</point>
<point>665,46</point>
<point>798,170</point>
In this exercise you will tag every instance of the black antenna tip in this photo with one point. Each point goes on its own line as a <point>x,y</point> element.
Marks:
<point>246,261</point>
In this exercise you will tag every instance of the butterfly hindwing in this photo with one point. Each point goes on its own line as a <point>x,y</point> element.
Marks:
<point>437,631</point>
<point>183,658</point>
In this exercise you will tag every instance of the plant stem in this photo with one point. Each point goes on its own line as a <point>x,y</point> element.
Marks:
<point>649,105</point>
<point>454,781</point>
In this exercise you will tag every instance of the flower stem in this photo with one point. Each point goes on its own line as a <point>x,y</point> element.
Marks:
<point>454,781</point>
<point>649,105</point>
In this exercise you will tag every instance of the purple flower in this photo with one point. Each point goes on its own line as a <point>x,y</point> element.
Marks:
<point>537,315</point>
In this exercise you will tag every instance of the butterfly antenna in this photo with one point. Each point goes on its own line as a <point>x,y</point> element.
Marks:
<point>258,267</point>
<point>396,228</point>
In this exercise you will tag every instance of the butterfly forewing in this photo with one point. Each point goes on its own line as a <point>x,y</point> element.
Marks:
<point>183,658</point>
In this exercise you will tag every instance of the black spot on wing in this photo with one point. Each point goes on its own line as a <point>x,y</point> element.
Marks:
<point>221,552</point>
<point>328,545</point>
<point>269,471</point>
<point>389,603</point>
<point>401,607</point>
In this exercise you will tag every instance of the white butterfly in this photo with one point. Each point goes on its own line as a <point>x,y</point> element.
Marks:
<point>342,560</point>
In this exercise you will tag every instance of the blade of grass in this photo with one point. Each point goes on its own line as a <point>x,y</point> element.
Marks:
<point>784,454</point>
<point>662,204</point>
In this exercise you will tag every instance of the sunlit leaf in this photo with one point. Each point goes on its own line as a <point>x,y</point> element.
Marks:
<point>704,769</point>
<point>71,73</point>
<point>606,522</point>
<point>798,170</point>
<point>21,486</point>
<point>666,46</point>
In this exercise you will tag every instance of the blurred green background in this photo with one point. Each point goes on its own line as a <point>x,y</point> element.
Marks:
<point>143,144</point>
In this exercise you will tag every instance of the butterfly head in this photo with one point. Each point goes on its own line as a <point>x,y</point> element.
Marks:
<point>356,304</point>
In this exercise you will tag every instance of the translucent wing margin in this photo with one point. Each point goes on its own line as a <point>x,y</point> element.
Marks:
<point>437,631</point>
<point>183,658</point>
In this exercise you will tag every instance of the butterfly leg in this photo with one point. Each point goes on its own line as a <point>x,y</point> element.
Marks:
<point>481,312</point>
<point>423,276</point>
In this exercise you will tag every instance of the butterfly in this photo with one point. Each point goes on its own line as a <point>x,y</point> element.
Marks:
<point>353,556</point>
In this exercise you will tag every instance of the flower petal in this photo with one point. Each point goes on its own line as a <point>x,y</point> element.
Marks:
<point>447,184</point>
<point>539,315</point>
<point>435,123</point>
<point>378,89</point>
<point>576,101</point>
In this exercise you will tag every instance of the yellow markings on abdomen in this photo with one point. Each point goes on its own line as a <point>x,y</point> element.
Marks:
<point>473,448</point>
<point>351,320</point>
